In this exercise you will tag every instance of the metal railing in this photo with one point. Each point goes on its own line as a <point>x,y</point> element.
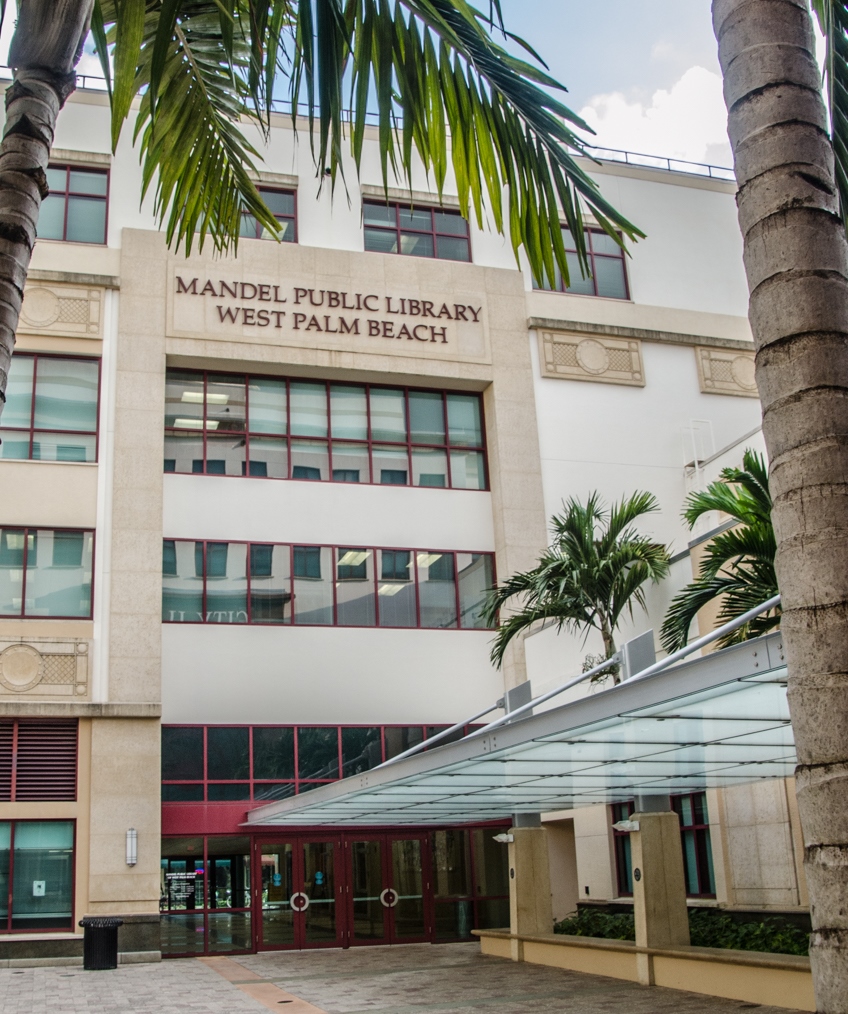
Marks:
<point>665,663</point>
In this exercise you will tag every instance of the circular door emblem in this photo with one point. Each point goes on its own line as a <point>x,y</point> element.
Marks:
<point>742,369</point>
<point>592,356</point>
<point>40,308</point>
<point>299,901</point>
<point>21,667</point>
<point>389,898</point>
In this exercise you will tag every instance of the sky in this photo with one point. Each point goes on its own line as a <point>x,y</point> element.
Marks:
<point>642,73</point>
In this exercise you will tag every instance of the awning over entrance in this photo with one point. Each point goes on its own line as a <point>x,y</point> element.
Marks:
<point>719,720</point>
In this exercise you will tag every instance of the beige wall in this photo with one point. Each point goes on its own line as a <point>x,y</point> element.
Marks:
<point>594,850</point>
<point>565,891</point>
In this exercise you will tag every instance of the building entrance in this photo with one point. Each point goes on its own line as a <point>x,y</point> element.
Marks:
<point>274,891</point>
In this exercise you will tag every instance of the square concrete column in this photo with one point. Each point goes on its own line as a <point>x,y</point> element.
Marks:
<point>530,909</point>
<point>659,886</point>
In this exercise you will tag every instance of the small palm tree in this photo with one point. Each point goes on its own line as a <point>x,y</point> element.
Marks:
<point>738,566</point>
<point>591,575</point>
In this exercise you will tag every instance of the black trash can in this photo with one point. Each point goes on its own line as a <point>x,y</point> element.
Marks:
<point>100,942</point>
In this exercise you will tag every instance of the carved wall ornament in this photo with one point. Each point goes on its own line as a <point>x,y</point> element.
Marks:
<point>68,310</point>
<point>44,668</point>
<point>600,359</point>
<point>726,372</point>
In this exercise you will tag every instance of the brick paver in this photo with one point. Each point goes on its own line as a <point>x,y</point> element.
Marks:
<point>416,979</point>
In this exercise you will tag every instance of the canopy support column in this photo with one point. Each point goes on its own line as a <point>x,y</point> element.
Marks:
<point>530,909</point>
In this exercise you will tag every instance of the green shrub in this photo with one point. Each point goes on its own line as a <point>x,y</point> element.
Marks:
<point>707,928</point>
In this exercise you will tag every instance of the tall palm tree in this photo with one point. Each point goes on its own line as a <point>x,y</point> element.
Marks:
<point>738,567</point>
<point>444,93</point>
<point>792,204</point>
<point>590,576</point>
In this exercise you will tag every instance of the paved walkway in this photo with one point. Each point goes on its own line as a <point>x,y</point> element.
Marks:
<point>416,979</point>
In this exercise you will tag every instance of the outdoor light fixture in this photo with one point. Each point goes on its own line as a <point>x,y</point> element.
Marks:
<point>626,825</point>
<point>132,846</point>
<point>504,839</point>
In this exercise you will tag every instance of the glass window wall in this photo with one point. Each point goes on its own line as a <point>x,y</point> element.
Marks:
<point>36,875</point>
<point>45,573</point>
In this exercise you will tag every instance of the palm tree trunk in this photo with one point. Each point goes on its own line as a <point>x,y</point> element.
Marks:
<point>796,259</point>
<point>609,645</point>
<point>45,49</point>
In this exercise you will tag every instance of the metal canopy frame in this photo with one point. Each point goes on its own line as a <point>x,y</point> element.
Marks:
<point>718,720</point>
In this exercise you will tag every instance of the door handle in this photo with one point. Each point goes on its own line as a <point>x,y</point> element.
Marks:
<point>389,898</point>
<point>299,901</point>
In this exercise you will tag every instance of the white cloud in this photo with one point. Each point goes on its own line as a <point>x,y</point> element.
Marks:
<point>681,122</point>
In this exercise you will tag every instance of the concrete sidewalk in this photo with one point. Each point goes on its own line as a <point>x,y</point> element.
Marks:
<point>415,979</point>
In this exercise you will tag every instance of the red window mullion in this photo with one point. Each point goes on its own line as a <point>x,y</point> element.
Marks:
<point>329,432</point>
<point>248,566</point>
<point>67,200</point>
<point>368,436</point>
<point>32,405</point>
<point>13,788</point>
<point>296,741</point>
<point>456,588</point>
<point>24,572</point>
<point>447,438</point>
<point>205,755</point>
<point>203,416</point>
<point>247,425</point>
<point>9,912</point>
<point>288,438</point>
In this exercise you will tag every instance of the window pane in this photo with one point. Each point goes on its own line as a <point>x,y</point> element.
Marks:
<point>450,248</point>
<point>273,753</point>
<point>390,466</point>
<point>426,418</point>
<point>490,865</point>
<point>699,806</point>
<point>43,879</point>
<point>416,218</point>
<point>226,582</point>
<point>64,447</point>
<point>349,412</point>
<point>86,182</point>
<point>313,586</point>
<point>381,241</point>
<point>361,750</point>
<point>310,459</point>
<point>184,400</point>
<point>578,284</point>
<point>267,405</point>
<point>57,178</point>
<point>416,244</point>
<point>429,468</point>
<point>18,408</point>
<point>604,244</point>
<point>269,458</point>
<point>396,588</point>
<point>270,584</point>
<point>281,202</point>
<point>182,590</point>
<point>355,587</point>
<point>475,579</point>
<point>437,589</point>
<point>318,752</point>
<point>227,752</point>
<point>350,463</point>
<point>14,444</point>
<point>451,864</point>
<point>378,214</point>
<point>51,217</point>
<point>182,793</point>
<point>225,408</point>
<point>182,753</point>
<point>184,453</point>
<point>58,589</point>
<point>609,274</point>
<point>86,220</point>
<point>66,395</point>
<point>228,791</point>
<point>468,470</point>
<point>464,422</point>
<point>400,738</point>
<point>388,415</point>
<point>286,234</point>
<point>11,570</point>
<point>248,225</point>
<point>450,222</point>
<point>308,409</point>
<point>181,889</point>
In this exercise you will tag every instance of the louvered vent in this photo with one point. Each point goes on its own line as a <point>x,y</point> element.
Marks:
<point>7,736</point>
<point>46,761</point>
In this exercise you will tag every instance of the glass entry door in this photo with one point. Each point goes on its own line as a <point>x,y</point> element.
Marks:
<point>299,896</point>
<point>387,889</point>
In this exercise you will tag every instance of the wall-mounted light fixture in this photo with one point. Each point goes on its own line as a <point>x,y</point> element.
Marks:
<point>132,846</point>
<point>503,839</point>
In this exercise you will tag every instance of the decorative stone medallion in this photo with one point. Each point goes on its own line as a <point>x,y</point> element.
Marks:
<point>725,371</point>
<point>40,307</point>
<point>59,309</point>
<point>45,667</point>
<point>598,358</point>
<point>21,667</point>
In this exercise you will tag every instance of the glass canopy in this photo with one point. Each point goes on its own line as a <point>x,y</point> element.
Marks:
<point>719,720</point>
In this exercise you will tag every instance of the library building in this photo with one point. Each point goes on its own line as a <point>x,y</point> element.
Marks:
<point>257,502</point>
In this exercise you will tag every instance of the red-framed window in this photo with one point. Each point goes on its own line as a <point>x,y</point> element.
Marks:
<point>621,847</point>
<point>342,586</point>
<point>51,410</point>
<point>36,875</point>
<point>46,572</point>
<point>607,277</point>
<point>76,209</point>
<point>226,763</point>
<point>416,231</point>
<point>280,428</point>
<point>283,205</point>
<point>695,838</point>
<point>38,760</point>
<point>691,809</point>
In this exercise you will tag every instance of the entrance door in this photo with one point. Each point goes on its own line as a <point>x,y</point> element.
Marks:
<point>387,889</point>
<point>300,894</point>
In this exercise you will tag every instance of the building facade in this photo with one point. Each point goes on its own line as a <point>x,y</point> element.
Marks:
<point>254,506</point>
